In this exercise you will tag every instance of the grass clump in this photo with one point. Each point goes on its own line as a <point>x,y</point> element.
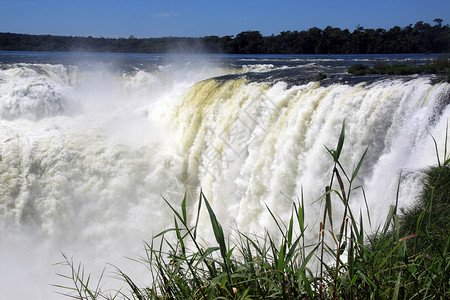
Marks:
<point>429,216</point>
<point>440,65</point>
<point>344,261</point>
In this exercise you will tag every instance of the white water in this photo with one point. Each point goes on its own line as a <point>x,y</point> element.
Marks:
<point>87,154</point>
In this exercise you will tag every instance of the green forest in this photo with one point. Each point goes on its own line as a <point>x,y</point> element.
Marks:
<point>419,38</point>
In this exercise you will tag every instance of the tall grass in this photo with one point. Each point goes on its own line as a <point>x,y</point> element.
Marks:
<point>395,262</point>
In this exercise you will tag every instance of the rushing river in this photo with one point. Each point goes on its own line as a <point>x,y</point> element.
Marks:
<point>91,143</point>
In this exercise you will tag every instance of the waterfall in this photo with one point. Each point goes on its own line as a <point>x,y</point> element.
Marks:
<point>255,144</point>
<point>87,155</point>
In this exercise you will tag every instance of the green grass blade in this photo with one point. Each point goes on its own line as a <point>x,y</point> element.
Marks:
<point>291,229</point>
<point>397,286</point>
<point>179,238</point>
<point>280,262</point>
<point>437,150</point>
<point>361,232</point>
<point>367,206</point>
<point>356,171</point>
<point>351,258</point>
<point>217,229</point>
<point>205,255</point>
<point>445,145</point>
<point>183,208</point>
<point>174,210</point>
<point>198,214</point>
<point>308,258</point>
<point>162,233</point>
<point>301,216</point>
<point>340,144</point>
<point>293,249</point>
<point>276,221</point>
<point>396,229</point>
<point>397,196</point>
<point>331,151</point>
<point>419,221</point>
<point>389,217</point>
<point>307,284</point>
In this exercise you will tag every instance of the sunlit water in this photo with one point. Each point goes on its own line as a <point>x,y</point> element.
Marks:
<point>91,143</point>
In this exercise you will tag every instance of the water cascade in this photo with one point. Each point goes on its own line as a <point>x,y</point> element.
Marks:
<point>87,155</point>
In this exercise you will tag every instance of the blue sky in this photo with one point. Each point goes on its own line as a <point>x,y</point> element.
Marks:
<point>196,18</point>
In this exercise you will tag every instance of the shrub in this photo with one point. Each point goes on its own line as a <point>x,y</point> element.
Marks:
<point>320,77</point>
<point>440,65</point>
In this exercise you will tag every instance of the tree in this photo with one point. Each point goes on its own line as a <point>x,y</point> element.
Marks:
<point>420,38</point>
<point>249,42</point>
<point>438,21</point>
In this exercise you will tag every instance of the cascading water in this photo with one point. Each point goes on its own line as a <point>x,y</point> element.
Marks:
<point>89,152</point>
<point>250,142</point>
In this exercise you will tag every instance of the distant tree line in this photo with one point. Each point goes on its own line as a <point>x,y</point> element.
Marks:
<point>420,38</point>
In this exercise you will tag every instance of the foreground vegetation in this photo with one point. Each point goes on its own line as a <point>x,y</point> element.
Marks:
<point>440,65</point>
<point>406,258</point>
<point>420,38</point>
